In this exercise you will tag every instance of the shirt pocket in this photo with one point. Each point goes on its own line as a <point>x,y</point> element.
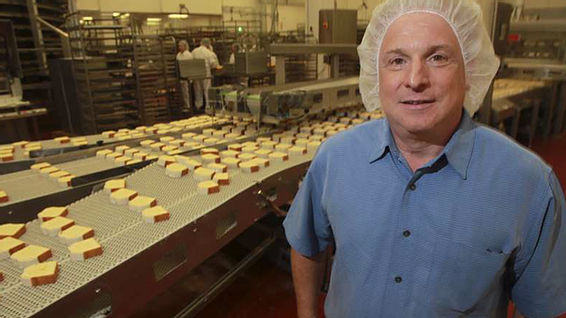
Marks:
<point>463,276</point>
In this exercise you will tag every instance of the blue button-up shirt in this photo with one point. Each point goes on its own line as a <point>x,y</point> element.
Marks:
<point>483,223</point>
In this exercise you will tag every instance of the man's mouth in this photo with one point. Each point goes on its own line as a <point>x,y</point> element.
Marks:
<point>418,101</point>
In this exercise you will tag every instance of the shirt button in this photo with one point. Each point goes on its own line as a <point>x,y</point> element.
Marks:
<point>406,233</point>
<point>413,187</point>
<point>398,279</point>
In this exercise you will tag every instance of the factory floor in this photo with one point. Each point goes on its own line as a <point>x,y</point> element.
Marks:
<point>265,290</point>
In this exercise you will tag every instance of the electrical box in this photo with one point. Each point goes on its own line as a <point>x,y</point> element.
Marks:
<point>337,26</point>
<point>250,63</point>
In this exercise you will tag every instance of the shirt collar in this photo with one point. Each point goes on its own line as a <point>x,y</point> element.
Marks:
<point>458,151</point>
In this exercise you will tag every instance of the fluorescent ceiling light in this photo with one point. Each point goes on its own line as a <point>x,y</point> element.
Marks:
<point>178,16</point>
<point>116,14</point>
<point>87,18</point>
<point>153,19</point>
<point>153,23</point>
<point>125,15</point>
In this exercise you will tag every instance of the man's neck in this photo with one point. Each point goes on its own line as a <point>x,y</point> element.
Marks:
<point>422,148</point>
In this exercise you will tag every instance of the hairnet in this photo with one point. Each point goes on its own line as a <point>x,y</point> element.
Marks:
<point>205,42</point>
<point>464,16</point>
<point>184,42</point>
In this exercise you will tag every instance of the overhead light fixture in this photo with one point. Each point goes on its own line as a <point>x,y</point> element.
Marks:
<point>87,19</point>
<point>125,15</point>
<point>153,19</point>
<point>153,23</point>
<point>116,14</point>
<point>178,16</point>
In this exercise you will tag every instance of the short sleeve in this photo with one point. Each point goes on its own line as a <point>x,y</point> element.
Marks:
<point>307,226</point>
<point>540,286</point>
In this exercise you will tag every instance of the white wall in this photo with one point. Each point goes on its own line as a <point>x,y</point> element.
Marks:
<point>154,6</point>
<point>289,17</point>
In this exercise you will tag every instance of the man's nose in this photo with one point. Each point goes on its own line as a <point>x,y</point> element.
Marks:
<point>418,77</point>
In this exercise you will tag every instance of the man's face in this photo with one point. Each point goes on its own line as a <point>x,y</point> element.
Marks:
<point>421,74</point>
<point>182,47</point>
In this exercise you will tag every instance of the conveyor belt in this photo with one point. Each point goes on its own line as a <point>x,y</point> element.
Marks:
<point>121,232</point>
<point>25,185</point>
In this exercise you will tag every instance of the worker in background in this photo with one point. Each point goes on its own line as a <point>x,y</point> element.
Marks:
<point>184,54</point>
<point>241,80</point>
<point>431,214</point>
<point>235,49</point>
<point>204,51</point>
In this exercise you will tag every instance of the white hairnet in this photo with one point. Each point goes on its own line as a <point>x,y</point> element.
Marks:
<point>464,16</point>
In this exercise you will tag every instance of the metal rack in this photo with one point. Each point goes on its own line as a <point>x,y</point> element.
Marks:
<point>154,61</point>
<point>36,44</point>
<point>102,54</point>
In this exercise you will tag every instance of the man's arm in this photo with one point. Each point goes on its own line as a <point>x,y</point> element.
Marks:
<point>307,278</point>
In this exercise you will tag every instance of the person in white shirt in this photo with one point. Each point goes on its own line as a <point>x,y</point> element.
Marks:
<point>204,51</point>
<point>184,54</point>
<point>235,49</point>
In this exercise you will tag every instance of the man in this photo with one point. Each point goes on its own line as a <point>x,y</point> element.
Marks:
<point>204,51</point>
<point>184,54</point>
<point>235,49</point>
<point>431,214</point>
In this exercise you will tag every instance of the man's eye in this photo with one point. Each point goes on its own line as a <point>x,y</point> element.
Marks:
<point>397,61</point>
<point>439,58</point>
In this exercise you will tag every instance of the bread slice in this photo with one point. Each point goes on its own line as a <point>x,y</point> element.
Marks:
<point>108,134</point>
<point>164,160</point>
<point>229,154</point>
<point>211,141</point>
<point>157,146</point>
<point>5,157</point>
<point>166,139</point>
<point>209,151</point>
<point>121,149</point>
<point>208,132</point>
<point>249,149</point>
<point>55,225</point>
<point>4,197</point>
<point>140,203</point>
<point>51,213</point>
<point>155,214</point>
<point>278,156</point>
<point>249,166</point>
<point>270,145</point>
<point>31,254</point>
<point>203,174</point>
<point>9,246</point>
<point>131,152</point>
<point>232,163</point>
<point>169,148</point>
<point>65,182</point>
<point>289,140</point>
<point>83,250</point>
<point>176,170</point>
<point>15,230</point>
<point>177,142</point>
<point>263,153</point>
<point>297,151</point>
<point>283,147</point>
<point>122,196</point>
<point>221,178</point>
<point>59,174</point>
<point>301,143</point>
<point>192,145</point>
<point>140,155</point>
<point>147,143</point>
<point>114,185</point>
<point>113,156</point>
<point>208,187</point>
<point>235,147</point>
<point>247,156</point>
<point>219,134</point>
<point>75,234</point>
<point>40,274</point>
<point>313,146</point>
<point>262,162</point>
<point>122,161</point>
<point>188,136</point>
<point>62,140</point>
<point>103,153</point>
<point>39,166</point>
<point>218,167</point>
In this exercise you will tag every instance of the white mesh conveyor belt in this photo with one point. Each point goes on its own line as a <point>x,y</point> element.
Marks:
<point>121,232</point>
